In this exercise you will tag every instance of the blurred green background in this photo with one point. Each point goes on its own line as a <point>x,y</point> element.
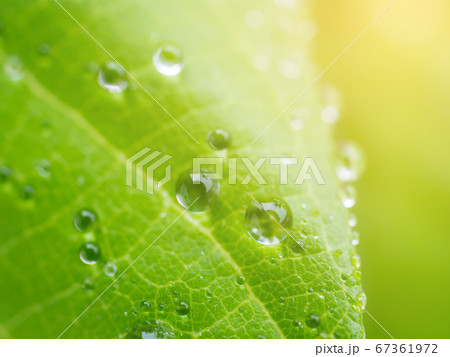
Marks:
<point>395,87</point>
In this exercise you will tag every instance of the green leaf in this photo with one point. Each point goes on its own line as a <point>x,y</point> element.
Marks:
<point>68,139</point>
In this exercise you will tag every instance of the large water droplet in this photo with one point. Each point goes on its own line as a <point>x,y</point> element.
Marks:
<point>14,68</point>
<point>240,280</point>
<point>168,60</point>
<point>85,220</point>
<point>112,77</point>
<point>89,253</point>
<point>313,321</point>
<point>152,330</point>
<point>267,220</point>
<point>196,191</point>
<point>219,139</point>
<point>183,308</point>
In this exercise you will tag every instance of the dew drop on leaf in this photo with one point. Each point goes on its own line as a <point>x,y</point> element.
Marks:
<point>43,167</point>
<point>219,139</point>
<point>14,68</point>
<point>27,192</point>
<point>183,308</point>
<point>145,305</point>
<point>5,173</point>
<point>168,60</point>
<point>89,253</point>
<point>110,269</point>
<point>268,219</point>
<point>85,220</point>
<point>351,163</point>
<point>152,330</point>
<point>240,280</point>
<point>87,285</point>
<point>196,191</point>
<point>348,196</point>
<point>313,321</point>
<point>112,78</point>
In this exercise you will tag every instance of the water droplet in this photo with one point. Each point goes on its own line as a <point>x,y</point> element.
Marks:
<point>330,114</point>
<point>5,173</point>
<point>352,221</point>
<point>296,323</point>
<point>27,192</point>
<point>219,139</point>
<point>152,330</point>
<point>14,68</point>
<point>145,305</point>
<point>267,220</point>
<point>89,253</point>
<point>183,308</point>
<point>168,60</point>
<point>362,299</point>
<point>355,241</point>
<point>337,253</point>
<point>112,77</point>
<point>289,68</point>
<point>313,321</point>
<point>85,220</point>
<point>351,162</point>
<point>161,307</point>
<point>43,167</point>
<point>44,49</point>
<point>240,280</point>
<point>254,18</point>
<point>110,269</point>
<point>87,285</point>
<point>208,293</point>
<point>357,274</point>
<point>355,260</point>
<point>196,191</point>
<point>348,196</point>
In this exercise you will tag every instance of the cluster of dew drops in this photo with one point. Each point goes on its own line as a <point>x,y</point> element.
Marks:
<point>267,220</point>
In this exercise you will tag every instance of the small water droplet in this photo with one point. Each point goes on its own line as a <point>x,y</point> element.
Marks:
<point>161,307</point>
<point>27,192</point>
<point>145,305</point>
<point>14,68</point>
<point>5,173</point>
<point>254,18</point>
<point>348,196</point>
<point>196,191</point>
<point>240,280</point>
<point>362,299</point>
<point>313,321</point>
<point>89,253</point>
<point>330,114</point>
<point>337,253</point>
<point>357,274</point>
<point>281,300</point>
<point>152,330</point>
<point>112,78</point>
<point>168,60</point>
<point>355,260</point>
<point>43,167</point>
<point>352,221</point>
<point>289,68</point>
<point>219,139</point>
<point>175,292</point>
<point>85,220</point>
<point>110,269</point>
<point>268,219</point>
<point>44,49</point>
<point>183,308</point>
<point>87,285</point>
<point>351,162</point>
<point>208,293</point>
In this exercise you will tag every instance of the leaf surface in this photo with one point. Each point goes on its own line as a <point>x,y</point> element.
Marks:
<point>68,138</point>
